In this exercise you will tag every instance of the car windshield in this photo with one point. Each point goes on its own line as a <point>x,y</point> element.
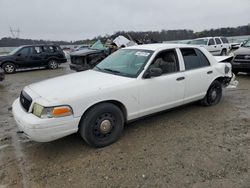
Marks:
<point>15,50</point>
<point>199,42</point>
<point>246,44</point>
<point>125,62</point>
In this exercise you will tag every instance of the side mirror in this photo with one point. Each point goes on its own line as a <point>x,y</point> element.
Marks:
<point>153,72</point>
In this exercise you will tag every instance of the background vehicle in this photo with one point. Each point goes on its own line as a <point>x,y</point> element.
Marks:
<point>215,45</point>
<point>85,59</point>
<point>129,84</point>
<point>2,76</point>
<point>81,47</point>
<point>29,56</point>
<point>241,61</point>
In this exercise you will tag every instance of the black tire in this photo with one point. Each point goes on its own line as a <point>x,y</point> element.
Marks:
<point>53,64</point>
<point>223,52</point>
<point>9,68</point>
<point>214,94</point>
<point>102,125</point>
<point>235,72</point>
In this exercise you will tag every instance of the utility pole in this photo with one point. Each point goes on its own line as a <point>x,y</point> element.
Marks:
<point>15,33</point>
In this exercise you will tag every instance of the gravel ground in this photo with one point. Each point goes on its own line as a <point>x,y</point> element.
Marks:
<point>190,146</point>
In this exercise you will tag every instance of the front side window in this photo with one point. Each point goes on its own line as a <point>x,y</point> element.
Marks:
<point>125,62</point>
<point>194,58</point>
<point>217,41</point>
<point>211,42</point>
<point>24,51</point>
<point>167,61</point>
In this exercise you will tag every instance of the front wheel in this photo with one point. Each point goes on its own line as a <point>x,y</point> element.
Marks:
<point>102,125</point>
<point>214,94</point>
<point>9,68</point>
<point>53,64</point>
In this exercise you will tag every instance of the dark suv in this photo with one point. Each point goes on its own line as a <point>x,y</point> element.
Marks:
<point>33,56</point>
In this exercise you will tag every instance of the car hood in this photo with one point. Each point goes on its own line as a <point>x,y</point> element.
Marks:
<point>84,52</point>
<point>4,56</point>
<point>242,51</point>
<point>75,85</point>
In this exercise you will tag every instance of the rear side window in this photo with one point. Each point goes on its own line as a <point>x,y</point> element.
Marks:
<point>217,41</point>
<point>224,40</point>
<point>193,58</point>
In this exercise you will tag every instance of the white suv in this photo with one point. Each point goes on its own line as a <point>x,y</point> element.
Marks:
<point>215,45</point>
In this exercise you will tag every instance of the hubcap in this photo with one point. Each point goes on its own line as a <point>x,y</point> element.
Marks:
<point>9,68</point>
<point>53,64</point>
<point>214,94</point>
<point>105,126</point>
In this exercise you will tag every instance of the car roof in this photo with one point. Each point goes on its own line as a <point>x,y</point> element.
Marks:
<point>39,45</point>
<point>159,46</point>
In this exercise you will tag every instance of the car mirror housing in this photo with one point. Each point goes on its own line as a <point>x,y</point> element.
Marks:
<point>153,72</point>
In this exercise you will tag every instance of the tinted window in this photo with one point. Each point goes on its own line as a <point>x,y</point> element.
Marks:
<point>167,61</point>
<point>211,42</point>
<point>49,49</point>
<point>217,41</point>
<point>224,40</point>
<point>203,59</point>
<point>193,58</point>
<point>24,51</point>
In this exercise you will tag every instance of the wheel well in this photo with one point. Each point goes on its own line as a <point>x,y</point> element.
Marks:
<point>7,62</point>
<point>117,103</point>
<point>223,80</point>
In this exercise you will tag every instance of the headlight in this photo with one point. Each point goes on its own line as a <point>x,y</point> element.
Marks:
<point>231,54</point>
<point>51,112</point>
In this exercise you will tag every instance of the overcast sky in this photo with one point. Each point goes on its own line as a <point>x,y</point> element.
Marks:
<point>81,19</point>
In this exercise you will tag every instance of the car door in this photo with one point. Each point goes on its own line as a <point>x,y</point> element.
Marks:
<point>37,56</point>
<point>22,57</point>
<point>219,45</point>
<point>212,47</point>
<point>165,91</point>
<point>198,74</point>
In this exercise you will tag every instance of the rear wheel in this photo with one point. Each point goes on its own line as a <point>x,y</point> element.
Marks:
<point>102,125</point>
<point>214,94</point>
<point>9,68</point>
<point>53,64</point>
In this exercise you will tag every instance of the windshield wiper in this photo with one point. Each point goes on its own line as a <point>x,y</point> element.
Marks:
<point>110,70</point>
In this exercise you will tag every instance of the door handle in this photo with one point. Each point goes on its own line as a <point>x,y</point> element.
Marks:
<point>180,78</point>
<point>209,72</point>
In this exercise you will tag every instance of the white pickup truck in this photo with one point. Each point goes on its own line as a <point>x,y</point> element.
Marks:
<point>129,84</point>
<point>215,45</point>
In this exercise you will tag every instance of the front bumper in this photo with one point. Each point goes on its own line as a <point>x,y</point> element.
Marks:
<point>240,65</point>
<point>43,130</point>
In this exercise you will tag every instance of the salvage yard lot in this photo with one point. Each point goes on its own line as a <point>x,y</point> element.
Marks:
<point>190,146</point>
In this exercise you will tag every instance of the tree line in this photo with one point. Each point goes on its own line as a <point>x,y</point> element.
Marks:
<point>140,37</point>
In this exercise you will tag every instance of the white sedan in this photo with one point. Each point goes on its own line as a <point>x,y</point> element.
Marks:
<point>131,83</point>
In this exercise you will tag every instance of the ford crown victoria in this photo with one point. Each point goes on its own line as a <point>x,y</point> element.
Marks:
<point>129,84</point>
